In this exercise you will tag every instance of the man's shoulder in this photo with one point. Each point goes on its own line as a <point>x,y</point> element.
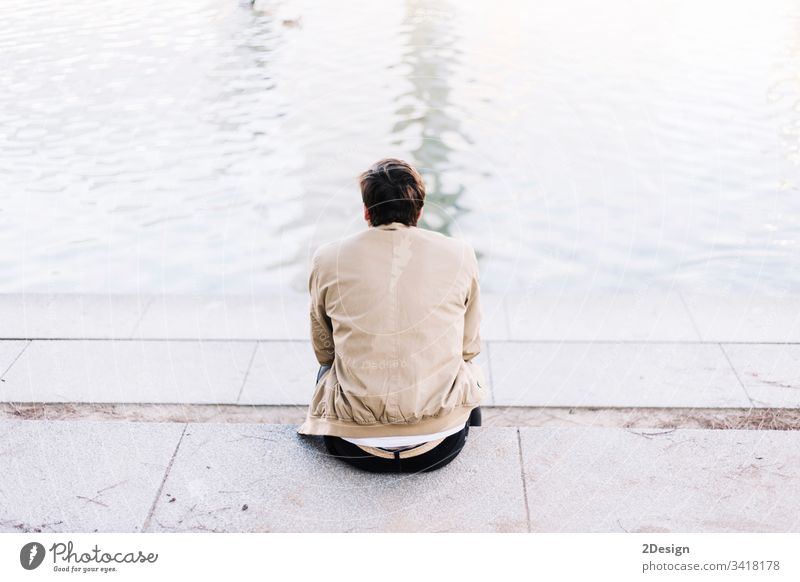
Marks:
<point>325,253</point>
<point>457,246</point>
<point>435,237</point>
<point>324,249</point>
<point>331,251</point>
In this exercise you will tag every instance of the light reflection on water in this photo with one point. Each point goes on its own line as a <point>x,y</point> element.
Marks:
<point>207,146</point>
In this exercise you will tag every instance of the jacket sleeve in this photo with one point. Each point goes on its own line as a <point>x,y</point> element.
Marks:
<point>321,328</point>
<point>472,315</point>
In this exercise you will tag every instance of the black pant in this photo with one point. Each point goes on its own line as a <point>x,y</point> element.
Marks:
<point>436,458</point>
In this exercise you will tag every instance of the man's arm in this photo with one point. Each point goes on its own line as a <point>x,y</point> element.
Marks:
<point>321,328</point>
<point>472,316</point>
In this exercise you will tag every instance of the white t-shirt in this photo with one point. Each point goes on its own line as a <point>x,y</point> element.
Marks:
<point>403,441</point>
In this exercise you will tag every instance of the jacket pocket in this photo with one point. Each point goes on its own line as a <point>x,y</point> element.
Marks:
<point>350,408</point>
<point>475,390</point>
<point>467,390</point>
<point>332,401</point>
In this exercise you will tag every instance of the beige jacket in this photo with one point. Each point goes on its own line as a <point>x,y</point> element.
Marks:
<point>396,310</point>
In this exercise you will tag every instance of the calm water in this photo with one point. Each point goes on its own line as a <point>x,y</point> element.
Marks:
<point>207,146</point>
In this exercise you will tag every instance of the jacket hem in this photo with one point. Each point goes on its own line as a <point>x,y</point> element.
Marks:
<point>342,428</point>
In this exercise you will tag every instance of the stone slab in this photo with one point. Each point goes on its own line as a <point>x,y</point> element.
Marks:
<point>81,476</point>
<point>70,316</point>
<point>770,372</point>
<point>615,480</point>
<point>62,476</point>
<point>733,318</point>
<point>9,352</point>
<point>283,373</point>
<point>128,371</point>
<point>279,317</point>
<point>282,317</point>
<point>261,478</point>
<point>494,318</point>
<point>640,317</point>
<point>623,317</point>
<point>614,374</point>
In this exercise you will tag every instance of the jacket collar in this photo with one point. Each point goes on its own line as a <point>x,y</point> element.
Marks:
<point>392,226</point>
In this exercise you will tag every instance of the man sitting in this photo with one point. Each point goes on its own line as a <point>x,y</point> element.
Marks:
<point>395,317</point>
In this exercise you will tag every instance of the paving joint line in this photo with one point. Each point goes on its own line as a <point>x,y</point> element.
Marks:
<point>306,340</point>
<point>736,374</point>
<point>14,361</point>
<point>163,481</point>
<point>247,372</point>
<point>144,312</point>
<point>522,475</point>
<point>154,339</point>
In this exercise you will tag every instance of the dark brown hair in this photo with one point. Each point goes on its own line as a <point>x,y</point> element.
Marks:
<point>392,191</point>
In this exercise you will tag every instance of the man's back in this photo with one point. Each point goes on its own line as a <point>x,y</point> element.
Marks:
<point>396,310</point>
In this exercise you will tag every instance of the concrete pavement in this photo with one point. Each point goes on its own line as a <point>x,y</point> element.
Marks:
<point>522,373</point>
<point>600,360</point>
<point>124,476</point>
<point>643,350</point>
